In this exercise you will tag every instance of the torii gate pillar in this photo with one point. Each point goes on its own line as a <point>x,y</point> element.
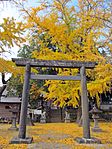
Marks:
<point>23,115</point>
<point>85,104</point>
<point>85,112</point>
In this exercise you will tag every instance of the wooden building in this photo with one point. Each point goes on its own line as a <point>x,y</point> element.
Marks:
<point>6,104</point>
<point>106,101</point>
<point>57,114</point>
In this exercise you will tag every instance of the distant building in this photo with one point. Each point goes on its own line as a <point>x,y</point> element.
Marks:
<point>53,113</point>
<point>106,101</point>
<point>8,103</point>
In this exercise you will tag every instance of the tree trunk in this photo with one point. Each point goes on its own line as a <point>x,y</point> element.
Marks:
<point>79,110</point>
<point>3,79</point>
<point>80,122</point>
<point>79,113</point>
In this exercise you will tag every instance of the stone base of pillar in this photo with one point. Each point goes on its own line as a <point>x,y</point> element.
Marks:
<point>87,141</point>
<point>67,120</point>
<point>13,128</point>
<point>16,140</point>
<point>96,129</point>
<point>42,120</point>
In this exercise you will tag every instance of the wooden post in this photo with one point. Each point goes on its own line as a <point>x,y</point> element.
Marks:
<point>25,95</point>
<point>85,105</point>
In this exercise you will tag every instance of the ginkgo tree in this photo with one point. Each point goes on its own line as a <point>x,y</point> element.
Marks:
<point>75,33</point>
<point>10,35</point>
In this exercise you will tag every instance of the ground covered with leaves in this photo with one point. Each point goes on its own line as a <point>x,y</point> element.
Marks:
<point>55,133</point>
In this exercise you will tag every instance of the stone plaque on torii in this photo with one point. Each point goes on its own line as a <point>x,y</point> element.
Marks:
<point>28,63</point>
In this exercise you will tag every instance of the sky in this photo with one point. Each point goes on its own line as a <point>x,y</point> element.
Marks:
<point>7,9</point>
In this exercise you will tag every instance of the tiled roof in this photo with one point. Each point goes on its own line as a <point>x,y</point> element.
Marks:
<point>7,99</point>
<point>10,99</point>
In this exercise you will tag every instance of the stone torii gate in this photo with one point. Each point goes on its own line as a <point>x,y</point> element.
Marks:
<point>28,63</point>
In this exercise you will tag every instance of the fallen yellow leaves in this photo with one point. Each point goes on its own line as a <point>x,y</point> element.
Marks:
<point>64,133</point>
<point>5,137</point>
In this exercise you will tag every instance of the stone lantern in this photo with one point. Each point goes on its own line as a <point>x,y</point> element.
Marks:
<point>14,116</point>
<point>95,115</point>
<point>43,117</point>
<point>67,117</point>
